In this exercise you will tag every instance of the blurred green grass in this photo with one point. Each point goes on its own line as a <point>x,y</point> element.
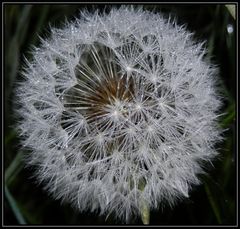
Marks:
<point>212,203</point>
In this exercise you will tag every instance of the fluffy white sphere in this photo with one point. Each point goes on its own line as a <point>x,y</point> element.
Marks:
<point>119,112</point>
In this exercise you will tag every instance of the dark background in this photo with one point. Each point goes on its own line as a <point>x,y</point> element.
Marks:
<point>212,203</point>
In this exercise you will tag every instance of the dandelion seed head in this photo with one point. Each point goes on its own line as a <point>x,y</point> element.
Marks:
<point>118,110</point>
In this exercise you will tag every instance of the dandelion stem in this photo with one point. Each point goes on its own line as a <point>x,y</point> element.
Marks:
<point>145,213</point>
<point>144,207</point>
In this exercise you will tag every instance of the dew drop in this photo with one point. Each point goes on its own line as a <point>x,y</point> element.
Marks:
<point>61,98</point>
<point>230,28</point>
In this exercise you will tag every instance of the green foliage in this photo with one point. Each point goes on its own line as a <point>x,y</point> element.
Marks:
<point>212,203</point>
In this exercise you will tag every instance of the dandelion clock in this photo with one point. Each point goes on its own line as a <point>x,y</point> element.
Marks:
<point>119,112</point>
